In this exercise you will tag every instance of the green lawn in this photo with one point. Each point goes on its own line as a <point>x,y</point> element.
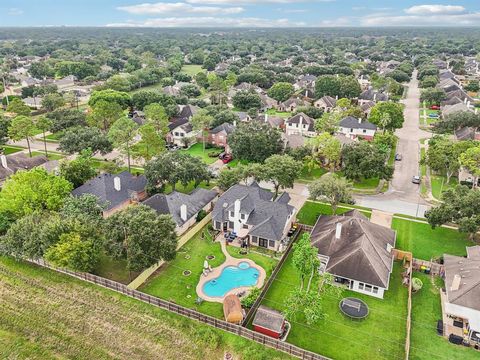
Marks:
<point>54,137</point>
<point>266,262</point>
<point>48,315</point>
<point>426,310</point>
<point>315,173</point>
<point>7,149</point>
<point>189,188</point>
<point>192,70</point>
<point>197,151</point>
<point>423,172</point>
<point>235,162</point>
<point>170,283</point>
<point>274,112</point>
<point>426,243</point>
<point>439,185</point>
<point>115,270</point>
<point>51,155</point>
<point>380,336</point>
<point>310,211</point>
<point>366,184</point>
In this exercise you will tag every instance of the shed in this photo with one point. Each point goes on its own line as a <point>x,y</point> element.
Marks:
<point>232,309</point>
<point>269,322</point>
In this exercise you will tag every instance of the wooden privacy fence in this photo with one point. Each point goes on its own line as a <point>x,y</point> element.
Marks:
<point>191,314</point>
<point>435,268</point>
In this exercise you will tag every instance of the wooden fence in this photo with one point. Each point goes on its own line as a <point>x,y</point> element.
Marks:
<point>435,268</point>
<point>191,314</point>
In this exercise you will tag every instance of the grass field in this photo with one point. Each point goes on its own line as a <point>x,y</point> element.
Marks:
<point>115,270</point>
<point>46,315</point>
<point>7,149</point>
<point>51,155</point>
<point>439,185</point>
<point>426,310</point>
<point>192,70</point>
<point>315,173</point>
<point>197,151</point>
<point>380,336</point>
<point>310,211</point>
<point>426,243</point>
<point>283,114</point>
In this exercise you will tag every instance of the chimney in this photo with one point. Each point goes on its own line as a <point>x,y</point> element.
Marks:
<point>235,123</point>
<point>183,212</point>
<point>468,103</point>
<point>359,120</point>
<point>338,231</point>
<point>236,207</point>
<point>266,117</point>
<point>456,282</point>
<point>375,97</point>
<point>306,93</point>
<point>465,100</point>
<point>3,160</point>
<point>117,184</point>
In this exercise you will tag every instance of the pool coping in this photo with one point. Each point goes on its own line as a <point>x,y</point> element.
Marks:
<point>215,273</point>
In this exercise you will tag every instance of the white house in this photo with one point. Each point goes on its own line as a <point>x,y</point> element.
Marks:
<point>300,124</point>
<point>353,128</point>
<point>358,253</point>
<point>326,103</point>
<point>181,133</point>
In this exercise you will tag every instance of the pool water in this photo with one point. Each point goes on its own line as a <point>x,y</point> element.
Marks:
<point>231,277</point>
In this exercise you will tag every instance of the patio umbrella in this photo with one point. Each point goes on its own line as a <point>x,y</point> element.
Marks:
<point>205,264</point>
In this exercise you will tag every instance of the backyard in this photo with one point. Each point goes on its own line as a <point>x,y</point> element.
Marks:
<point>426,243</point>
<point>380,336</point>
<point>426,310</point>
<point>192,70</point>
<point>197,151</point>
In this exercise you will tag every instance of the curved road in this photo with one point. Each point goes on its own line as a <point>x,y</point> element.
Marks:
<point>403,196</point>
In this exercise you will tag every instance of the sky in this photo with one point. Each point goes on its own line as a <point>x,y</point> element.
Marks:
<point>239,13</point>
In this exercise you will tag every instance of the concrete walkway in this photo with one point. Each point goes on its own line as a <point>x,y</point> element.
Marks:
<point>382,218</point>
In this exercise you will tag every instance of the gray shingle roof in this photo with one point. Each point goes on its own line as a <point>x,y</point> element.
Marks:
<point>103,188</point>
<point>268,218</point>
<point>20,161</point>
<point>305,119</point>
<point>354,123</point>
<point>269,319</point>
<point>171,203</point>
<point>360,253</point>
<point>227,127</point>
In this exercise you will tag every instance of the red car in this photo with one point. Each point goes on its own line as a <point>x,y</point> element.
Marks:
<point>434,107</point>
<point>227,158</point>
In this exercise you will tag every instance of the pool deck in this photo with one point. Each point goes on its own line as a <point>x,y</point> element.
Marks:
<point>215,273</point>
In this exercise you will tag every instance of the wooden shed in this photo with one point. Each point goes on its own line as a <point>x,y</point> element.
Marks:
<point>232,309</point>
<point>269,322</point>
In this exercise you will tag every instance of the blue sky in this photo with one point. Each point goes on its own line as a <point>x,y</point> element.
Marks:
<point>239,13</point>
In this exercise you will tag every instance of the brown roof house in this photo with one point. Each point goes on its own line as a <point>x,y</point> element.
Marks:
<point>358,253</point>
<point>461,298</point>
<point>10,164</point>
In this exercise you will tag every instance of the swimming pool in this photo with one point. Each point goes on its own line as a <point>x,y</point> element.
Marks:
<point>231,277</point>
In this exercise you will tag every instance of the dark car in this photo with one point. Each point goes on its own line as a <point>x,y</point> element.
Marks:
<point>398,157</point>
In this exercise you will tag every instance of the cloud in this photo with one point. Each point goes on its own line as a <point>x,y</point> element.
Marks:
<point>252,2</point>
<point>337,22</point>
<point>165,8</point>
<point>14,12</point>
<point>467,19</point>
<point>209,21</point>
<point>434,9</point>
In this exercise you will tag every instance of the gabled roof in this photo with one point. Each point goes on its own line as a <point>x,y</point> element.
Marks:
<point>303,119</point>
<point>362,250</point>
<point>103,188</point>
<point>269,319</point>
<point>227,127</point>
<point>20,161</point>
<point>328,101</point>
<point>177,122</point>
<point>451,109</point>
<point>468,292</point>
<point>354,123</point>
<point>373,95</point>
<point>188,111</point>
<point>171,203</point>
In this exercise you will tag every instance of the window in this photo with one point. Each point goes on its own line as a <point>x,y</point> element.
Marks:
<point>176,133</point>
<point>360,286</point>
<point>364,131</point>
<point>230,224</point>
<point>217,225</point>
<point>254,239</point>
<point>368,288</point>
<point>263,242</point>
<point>242,216</point>
<point>231,214</point>
<point>271,243</point>
<point>182,134</point>
<point>351,130</point>
<point>375,290</point>
<point>245,226</point>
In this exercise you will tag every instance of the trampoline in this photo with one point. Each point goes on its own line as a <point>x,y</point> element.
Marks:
<point>354,308</point>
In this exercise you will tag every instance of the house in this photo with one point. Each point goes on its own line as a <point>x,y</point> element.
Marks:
<point>467,133</point>
<point>371,95</point>
<point>267,102</point>
<point>460,298</point>
<point>357,252</point>
<point>33,102</point>
<point>465,176</point>
<point>183,208</point>
<point>253,214</point>
<point>276,122</point>
<point>219,136</point>
<point>181,133</point>
<point>10,164</point>
<point>116,192</point>
<point>188,111</point>
<point>300,124</point>
<point>269,322</point>
<point>66,82</point>
<point>291,104</point>
<point>326,103</point>
<point>452,109</point>
<point>353,128</point>
<point>367,107</point>
<point>305,81</point>
<point>243,116</point>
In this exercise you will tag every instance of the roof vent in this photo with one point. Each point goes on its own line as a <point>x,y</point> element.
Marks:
<point>338,231</point>
<point>117,183</point>
<point>456,282</point>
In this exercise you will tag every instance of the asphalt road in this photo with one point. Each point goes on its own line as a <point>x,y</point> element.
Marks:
<point>403,196</point>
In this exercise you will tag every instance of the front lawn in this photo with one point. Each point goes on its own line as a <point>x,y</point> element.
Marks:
<point>7,150</point>
<point>426,310</point>
<point>169,282</point>
<point>197,151</point>
<point>189,188</point>
<point>309,175</point>
<point>310,211</point>
<point>192,70</point>
<point>439,185</point>
<point>380,336</point>
<point>274,112</point>
<point>51,155</point>
<point>426,243</point>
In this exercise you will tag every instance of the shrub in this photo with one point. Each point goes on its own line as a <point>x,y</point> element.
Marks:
<point>201,214</point>
<point>417,284</point>
<point>214,153</point>
<point>249,300</point>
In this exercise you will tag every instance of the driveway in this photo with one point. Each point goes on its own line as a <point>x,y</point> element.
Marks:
<point>298,194</point>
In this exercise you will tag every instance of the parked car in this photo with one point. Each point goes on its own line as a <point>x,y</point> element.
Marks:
<point>433,116</point>
<point>398,157</point>
<point>222,155</point>
<point>227,158</point>
<point>435,107</point>
<point>416,179</point>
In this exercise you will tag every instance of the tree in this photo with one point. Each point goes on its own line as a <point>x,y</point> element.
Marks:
<point>122,135</point>
<point>461,206</point>
<point>429,82</point>
<point>399,75</point>
<point>22,127</point>
<point>326,149</point>
<point>456,121</point>
<point>121,98</point>
<point>40,70</point>
<point>104,114</point>
<point>281,91</point>
<point>245,100</point>
<point>331,189</point>
<point>349,87</point>
<point>228,177</point>
<point>201,79</point>
<point>222,117</point>
<point>327,85</point>
<point>305,260</point>
<point>473,86</point>
<point>151,143</point>
<point>85,206</point>
<point>157,116</point>
<point>63,119</point>
<point>52,102</point>
<point>365,160</point>
<point>255,142</point>
<point>433,95</point>
<point>141,237</point>
<point>201,122</point>
<point>387,116</point>
<point>79,170</point>
<point>470,159</point>
<point>76,139</point>
<point>28,191</point>
<point>4,125</point>
<point>190,91</point>
<point>281,170</point>
<point>18,107</point>
<point>328,122</point>
<point>44,124</point>
<point>72,252</point>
